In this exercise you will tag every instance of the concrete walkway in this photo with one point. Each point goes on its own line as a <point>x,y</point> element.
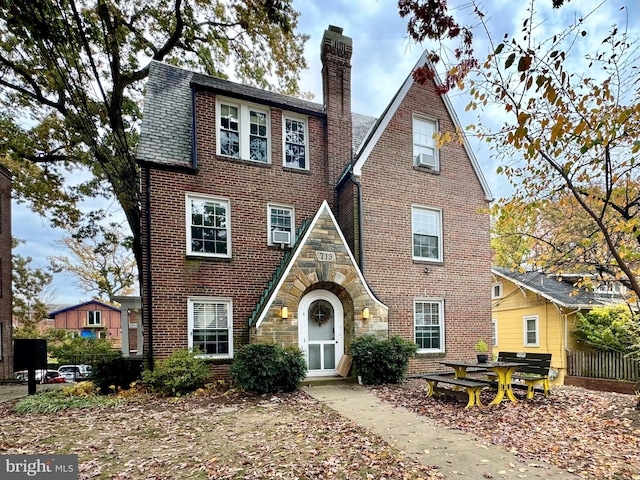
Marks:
<point>457,454</point>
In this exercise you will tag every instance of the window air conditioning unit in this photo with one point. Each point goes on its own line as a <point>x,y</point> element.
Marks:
<point>426,160</point>
<point>280,236</point>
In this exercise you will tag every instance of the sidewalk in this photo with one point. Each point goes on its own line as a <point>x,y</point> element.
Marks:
<point>13,391</point>
<point>457,454</point>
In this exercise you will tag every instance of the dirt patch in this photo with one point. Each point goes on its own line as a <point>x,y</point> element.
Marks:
<point>228,436</point>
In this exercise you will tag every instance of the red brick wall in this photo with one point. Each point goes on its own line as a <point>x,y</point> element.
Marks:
<point>6,366</point>
<point>390,185</point>
<point>249,187</point>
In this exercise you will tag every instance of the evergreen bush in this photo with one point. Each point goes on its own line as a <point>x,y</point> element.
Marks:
<point>263,368</point>
<point>182,372</point>
<point>378,361</point>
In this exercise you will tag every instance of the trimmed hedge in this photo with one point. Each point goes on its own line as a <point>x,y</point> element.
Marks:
<point>379,361</point>
<point>264,368</point>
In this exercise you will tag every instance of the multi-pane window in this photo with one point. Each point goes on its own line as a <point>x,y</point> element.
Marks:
<point>531,332</point>
<point>429,325</point>
<point>496,290</point>
<point>280,223</point>
<point>229,138</point>
<point>211,326</point>
<point>295,143</point>
<point>208,226</point>
<point>427,233</point>
<point>243,131</point>
<point>425,153</point>
<point>94,318</point>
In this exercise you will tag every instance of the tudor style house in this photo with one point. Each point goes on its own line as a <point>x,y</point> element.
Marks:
<point>267,218</point>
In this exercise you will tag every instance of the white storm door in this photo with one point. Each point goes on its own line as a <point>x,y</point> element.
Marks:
<point>321,332</point>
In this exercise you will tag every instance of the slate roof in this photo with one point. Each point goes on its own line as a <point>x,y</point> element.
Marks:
<point>561,292</point>
<point>166,133</point>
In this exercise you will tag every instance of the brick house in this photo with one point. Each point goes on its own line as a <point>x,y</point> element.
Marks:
<point>6,337</point>
<point>268,218</point>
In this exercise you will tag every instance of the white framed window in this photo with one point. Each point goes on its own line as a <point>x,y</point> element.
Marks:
<point>425,152</point>
<point>94,318</point>
<point>426,225</point>
<point>210,322</point>
<point>496,290</point>
<point>280,222</point>
<point>208,226</point>
<point>295,143</point>
<point>428,318</point>
<point>243,131</point>
<point>494,332</point>
<point>531,332</point>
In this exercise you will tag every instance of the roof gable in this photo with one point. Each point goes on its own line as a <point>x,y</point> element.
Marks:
<point>556,291</point>
<point>271,293</point>
<point>377,130</point>
<point>84,304</point>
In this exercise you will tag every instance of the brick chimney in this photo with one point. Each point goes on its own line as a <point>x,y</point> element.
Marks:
<point>335,54</point>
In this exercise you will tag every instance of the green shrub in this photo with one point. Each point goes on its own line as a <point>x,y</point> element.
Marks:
<point>182,372</point>
<point>379,361</point>
<point>263,368</point>
<point>113,374</point>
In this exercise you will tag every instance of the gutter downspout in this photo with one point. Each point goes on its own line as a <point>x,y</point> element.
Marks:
<point>149,309</point>
<point>194,154</point>
<point>360,222</point>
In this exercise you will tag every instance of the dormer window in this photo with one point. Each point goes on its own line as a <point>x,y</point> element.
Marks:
<point>295,143</point>
<point>243,131</point>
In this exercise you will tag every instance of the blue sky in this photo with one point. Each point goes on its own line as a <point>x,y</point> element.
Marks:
<point>382,58</point>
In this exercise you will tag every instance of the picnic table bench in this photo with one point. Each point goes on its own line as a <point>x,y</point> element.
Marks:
<point>535,371</point>
<point>472,387</point>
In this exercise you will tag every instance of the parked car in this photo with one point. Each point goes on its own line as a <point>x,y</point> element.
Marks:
<point>74,373</point>
<point>42,376</point>
<point>53,376</point>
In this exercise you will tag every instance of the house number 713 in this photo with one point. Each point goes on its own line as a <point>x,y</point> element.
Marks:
<point>325,256</point>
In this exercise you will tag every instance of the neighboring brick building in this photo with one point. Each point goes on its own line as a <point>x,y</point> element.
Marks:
<point>6,337</point>
<point>268,218</point>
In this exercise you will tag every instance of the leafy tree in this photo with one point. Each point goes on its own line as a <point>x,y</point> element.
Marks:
<point>72,79</point>
<point>79,350</point>
<point>611,328</point>
<point>102,262</point>
<point>434,20</point>
<point>570,133</point>
<point>30,294</point>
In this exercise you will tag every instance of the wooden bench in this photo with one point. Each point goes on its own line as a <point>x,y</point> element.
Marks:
<point>472,387</point>
<point>536,371</point>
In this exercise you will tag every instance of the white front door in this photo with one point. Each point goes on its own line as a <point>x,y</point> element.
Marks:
<point>321,331</point>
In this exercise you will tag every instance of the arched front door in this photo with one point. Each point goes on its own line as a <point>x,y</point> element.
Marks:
<point>321,331</point>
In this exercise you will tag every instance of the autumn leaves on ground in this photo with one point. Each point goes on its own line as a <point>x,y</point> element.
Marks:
<point>233,436</point>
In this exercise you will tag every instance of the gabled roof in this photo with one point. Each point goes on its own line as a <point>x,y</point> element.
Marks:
<point>376,131</point>
<point>283,270</point>
<point>53,313</point>
<point>562,293</point>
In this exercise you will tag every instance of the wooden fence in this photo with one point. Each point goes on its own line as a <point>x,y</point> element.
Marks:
<point>610,365</point>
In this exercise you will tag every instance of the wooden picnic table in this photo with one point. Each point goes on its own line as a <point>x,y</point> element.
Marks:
<point>503,371</point>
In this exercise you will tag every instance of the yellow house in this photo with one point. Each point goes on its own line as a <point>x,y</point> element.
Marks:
<point>536,312</point>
